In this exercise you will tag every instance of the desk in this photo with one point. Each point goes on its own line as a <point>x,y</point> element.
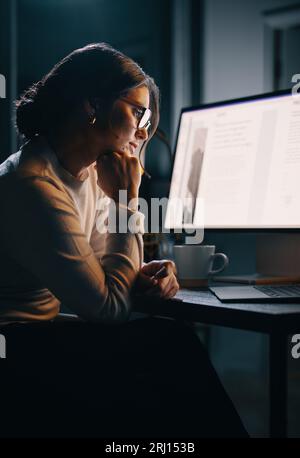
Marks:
<point>277,320</point>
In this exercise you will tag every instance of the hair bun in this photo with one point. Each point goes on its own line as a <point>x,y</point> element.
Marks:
<point>28,115</point>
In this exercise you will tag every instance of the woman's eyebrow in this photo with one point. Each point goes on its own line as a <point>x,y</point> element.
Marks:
<point>134,102</point>
<point>138,104</point>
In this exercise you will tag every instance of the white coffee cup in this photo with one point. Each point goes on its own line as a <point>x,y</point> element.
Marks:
<point>196,262</point>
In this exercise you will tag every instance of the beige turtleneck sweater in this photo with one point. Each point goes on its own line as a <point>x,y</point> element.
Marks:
<point>51,250</point>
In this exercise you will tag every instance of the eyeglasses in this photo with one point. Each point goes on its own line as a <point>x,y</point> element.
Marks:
<point>142,114</point>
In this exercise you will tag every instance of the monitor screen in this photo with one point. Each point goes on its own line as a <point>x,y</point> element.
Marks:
<point>241,160</point>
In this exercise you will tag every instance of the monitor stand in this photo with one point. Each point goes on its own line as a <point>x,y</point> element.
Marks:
<point>277,261</point>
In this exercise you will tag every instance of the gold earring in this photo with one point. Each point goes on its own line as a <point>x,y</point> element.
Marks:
<point>93,120</point>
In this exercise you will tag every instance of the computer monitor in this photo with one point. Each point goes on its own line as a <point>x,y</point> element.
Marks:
<point>241,159</point>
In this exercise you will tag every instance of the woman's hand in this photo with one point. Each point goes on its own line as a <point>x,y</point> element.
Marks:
<point>158,278</point>
<point>119,171</point>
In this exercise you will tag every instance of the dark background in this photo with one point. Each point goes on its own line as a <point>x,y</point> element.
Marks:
<point>198,51</point>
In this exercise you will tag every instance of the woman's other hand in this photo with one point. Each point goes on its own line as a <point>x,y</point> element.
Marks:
<point>158,278</point>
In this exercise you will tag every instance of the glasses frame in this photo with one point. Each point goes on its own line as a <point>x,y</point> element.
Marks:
<point>147,113</point>
<point>146,126</point>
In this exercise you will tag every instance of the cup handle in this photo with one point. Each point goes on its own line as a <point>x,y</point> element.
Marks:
<point>225,263</point>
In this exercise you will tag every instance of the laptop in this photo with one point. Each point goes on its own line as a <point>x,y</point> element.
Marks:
<point>261,293</point>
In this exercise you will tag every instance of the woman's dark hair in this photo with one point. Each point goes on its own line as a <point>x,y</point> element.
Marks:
<point>94,72</point>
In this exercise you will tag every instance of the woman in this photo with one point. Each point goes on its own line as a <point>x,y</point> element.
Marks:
<point>86,111</point>
<point>83,123</point>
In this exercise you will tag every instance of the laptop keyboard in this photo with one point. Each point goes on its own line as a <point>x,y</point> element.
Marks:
<point>279,291</point>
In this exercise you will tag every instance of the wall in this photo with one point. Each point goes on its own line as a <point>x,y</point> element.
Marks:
<point>8,68</point>
<point>234,47</point>
<point>47,30</point>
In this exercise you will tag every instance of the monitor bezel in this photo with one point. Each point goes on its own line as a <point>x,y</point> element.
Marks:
<point>266,95</point>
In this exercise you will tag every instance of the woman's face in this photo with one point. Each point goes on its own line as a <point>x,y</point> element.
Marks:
<point>124,135</point>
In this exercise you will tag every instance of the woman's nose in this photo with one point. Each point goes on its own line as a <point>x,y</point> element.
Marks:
<point>142,134</point>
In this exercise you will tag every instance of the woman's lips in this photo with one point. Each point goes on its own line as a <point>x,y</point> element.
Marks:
<point>133,147</point>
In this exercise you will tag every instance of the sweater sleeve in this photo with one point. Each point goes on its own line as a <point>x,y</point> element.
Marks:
<point>102,243</point>
<point>43,232</point>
